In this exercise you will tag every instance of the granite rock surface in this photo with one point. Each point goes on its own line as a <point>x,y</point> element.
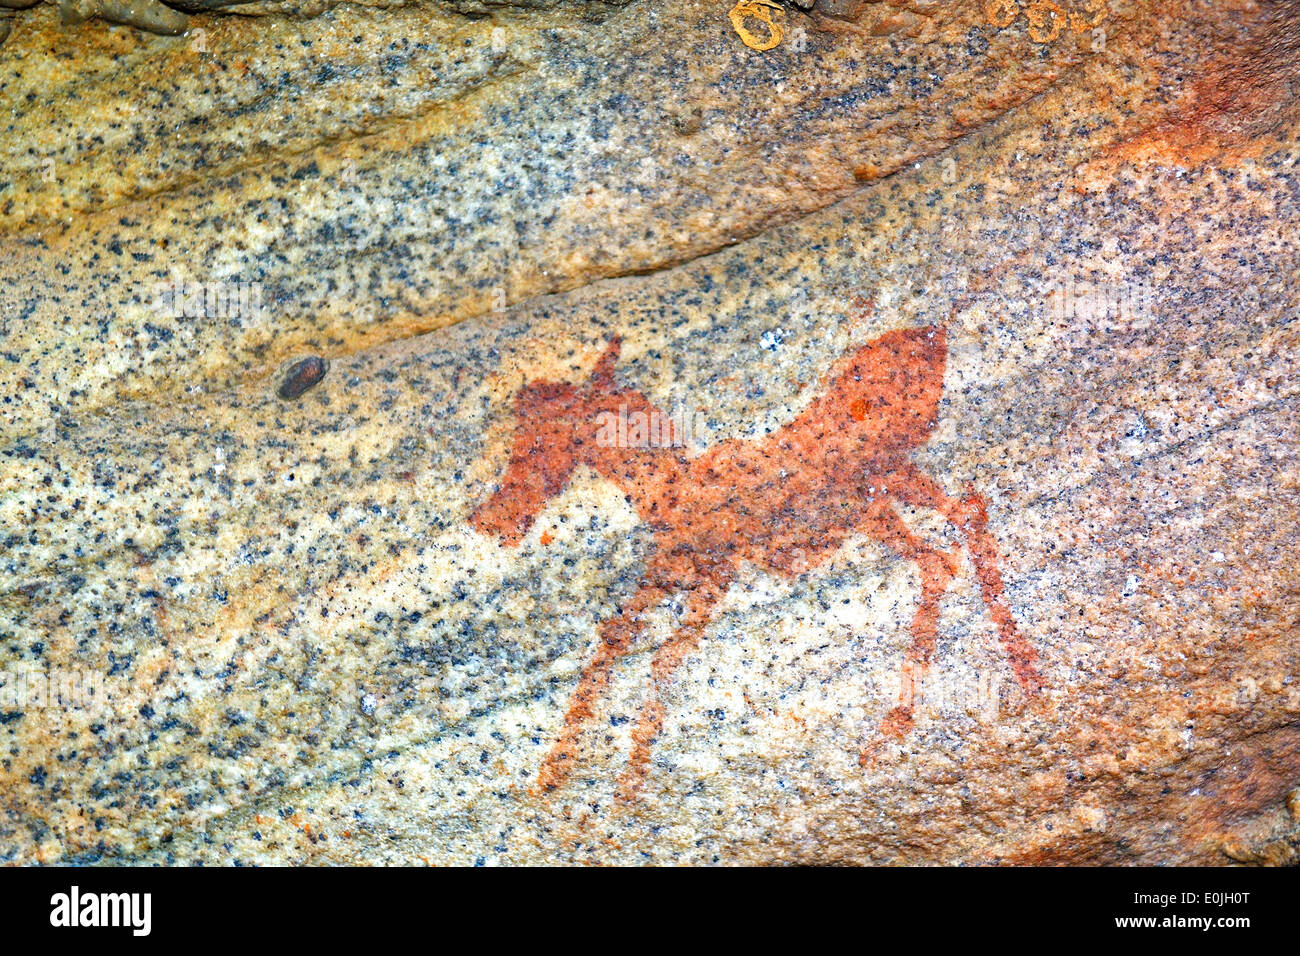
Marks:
<point>334,582</point>
<point>376,173</point>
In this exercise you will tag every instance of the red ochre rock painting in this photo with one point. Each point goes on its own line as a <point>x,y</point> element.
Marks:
<point>783,503</point>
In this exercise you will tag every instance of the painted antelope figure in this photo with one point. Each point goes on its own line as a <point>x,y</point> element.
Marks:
<point>783,503</point>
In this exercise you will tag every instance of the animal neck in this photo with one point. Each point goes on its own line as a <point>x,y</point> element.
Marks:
<point>637,446</point>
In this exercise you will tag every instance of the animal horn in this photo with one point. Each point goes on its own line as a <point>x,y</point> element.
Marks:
<point>602,376</point>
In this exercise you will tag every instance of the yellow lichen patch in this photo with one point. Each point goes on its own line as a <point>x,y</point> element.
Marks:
<point>1046,19</point>
<point>760,10</point>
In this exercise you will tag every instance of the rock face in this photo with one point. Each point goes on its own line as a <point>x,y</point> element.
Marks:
<point>380,173</point>
<point>562,433</point>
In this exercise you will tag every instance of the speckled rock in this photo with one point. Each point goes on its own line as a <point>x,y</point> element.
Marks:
<point>305,633</point>
<point>376,173</point>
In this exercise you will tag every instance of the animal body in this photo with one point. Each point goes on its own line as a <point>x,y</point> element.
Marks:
<point>783,504</point>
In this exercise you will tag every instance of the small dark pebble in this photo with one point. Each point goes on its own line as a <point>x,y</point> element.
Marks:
<point>301,376</point>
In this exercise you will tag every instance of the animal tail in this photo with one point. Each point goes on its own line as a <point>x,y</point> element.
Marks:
<point>984,554</point>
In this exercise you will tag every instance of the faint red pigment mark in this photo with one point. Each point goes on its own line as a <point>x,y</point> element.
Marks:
<point>784,504</point>
<point>1236,108</point>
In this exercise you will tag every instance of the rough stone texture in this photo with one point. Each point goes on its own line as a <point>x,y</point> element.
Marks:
<point>312,655</point>
<point>379,173</point>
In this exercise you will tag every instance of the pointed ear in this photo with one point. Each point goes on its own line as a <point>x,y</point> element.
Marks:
<point>864,308</point>
<point>602,376</point>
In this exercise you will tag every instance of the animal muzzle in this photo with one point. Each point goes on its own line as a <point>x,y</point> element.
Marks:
<point>495,517</point>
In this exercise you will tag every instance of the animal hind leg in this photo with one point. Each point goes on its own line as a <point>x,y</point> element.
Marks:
<point>701,602</point>
<point>970,515</point>
<point>616,636</point>
<point>937,569</point>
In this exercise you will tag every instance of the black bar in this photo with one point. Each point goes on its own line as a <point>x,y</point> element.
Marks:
<point>927,906</point>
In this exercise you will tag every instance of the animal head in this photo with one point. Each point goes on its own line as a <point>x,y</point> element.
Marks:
<point>555,423</point>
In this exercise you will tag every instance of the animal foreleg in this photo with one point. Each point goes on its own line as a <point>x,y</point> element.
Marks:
<point>984,553</point>
<point>937,569</point>
<point>970,516</point>
<point>616,637</point>
<point>700,604</point>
